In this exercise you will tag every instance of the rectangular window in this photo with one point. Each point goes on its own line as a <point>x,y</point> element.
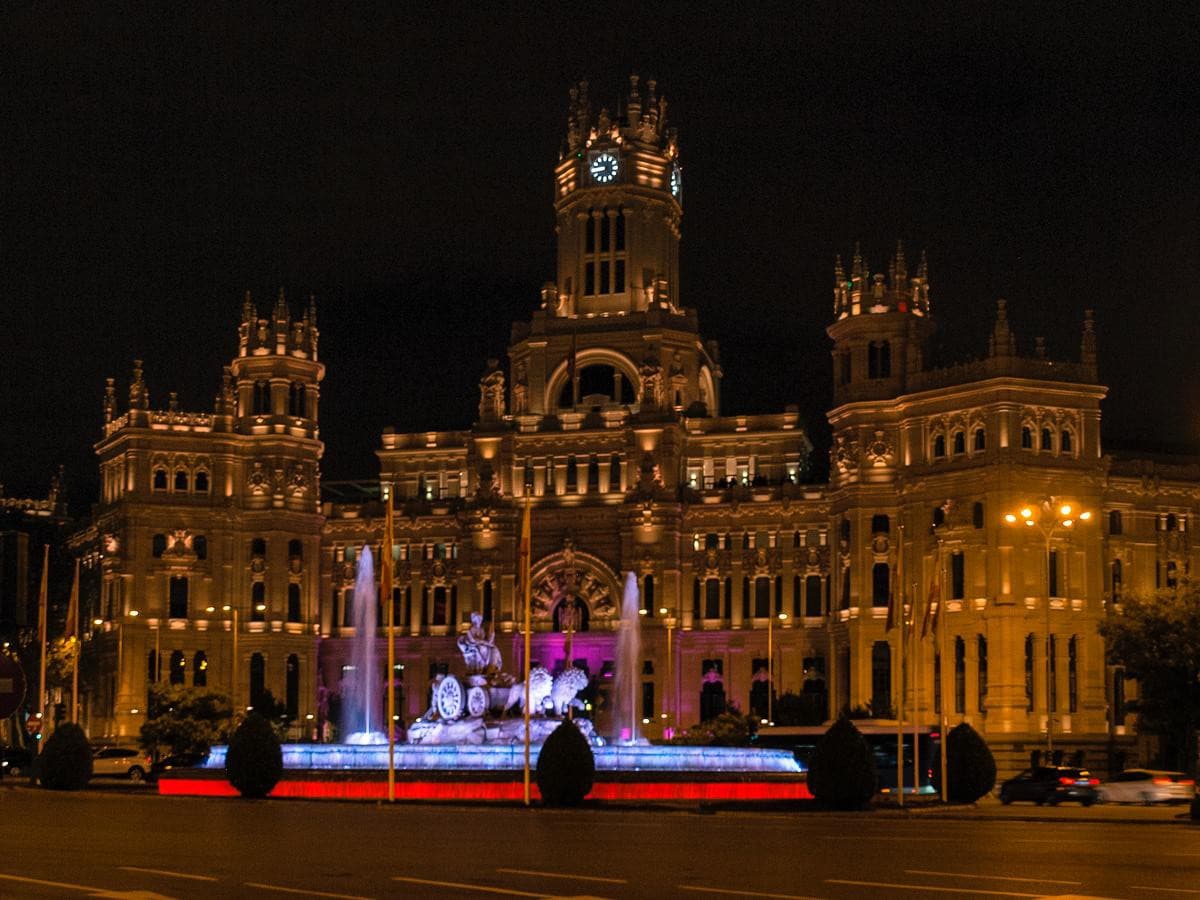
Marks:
<point>1073,674</point>
<point>604,282</point>
<point>983,672</point>
<point>812,596</point>
<point>604,226</point>
<point>647,701</point>
<point>1053,649</point>
<point>960,676</point>
<point>958,576</point>
<point>620,222</point>
<point>937,683</point>
<point>590,239</point>
<point>880,584</point>
<point>619,277</point>
<point>762,597</point>
<point>712,599</point>
<point>589,279</point>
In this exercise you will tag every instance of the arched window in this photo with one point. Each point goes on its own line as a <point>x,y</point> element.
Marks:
<point>200,669</point>
<point>1026,438</point>
<point>528,475</point>
<point>960,442</point>
<point>293,602</point>
<point>648,596</point>
<point>200,546</point>
<point>201,482</point>
<point>178,670</point>
<point>980,439</point>
<point>178,604</point>
<point>160,479</point>
<point>181,481</point>
<point>1115,525</point>
<point>258,679</point>
<point>604,239</point>
<point>258,602</point>
<point>1047,439</point>
<point>712,689</point>
<point>762,597</point>
<point>292,691</point>
<point>880,524</point>
<point>572,475</point>
<point>1064,441</point>
<point>614,472</point>
<point>593,475</point>
<point>939,446</point>
<point>977,514</point>
<point>712,598</point>
<point>938,517</point>
<point>158,545</point>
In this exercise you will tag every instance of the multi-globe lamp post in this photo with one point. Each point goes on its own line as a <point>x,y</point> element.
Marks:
<point>1049,517</point>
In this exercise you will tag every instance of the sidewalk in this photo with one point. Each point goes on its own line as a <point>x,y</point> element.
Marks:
<point>991,809</point>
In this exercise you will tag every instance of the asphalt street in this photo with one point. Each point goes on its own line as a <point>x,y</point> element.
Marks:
<point>140,845</point>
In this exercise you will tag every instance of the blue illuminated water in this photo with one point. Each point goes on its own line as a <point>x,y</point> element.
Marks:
<point>497,757</point>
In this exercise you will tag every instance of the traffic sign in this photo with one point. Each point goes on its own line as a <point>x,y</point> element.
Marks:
<point>12,686</point>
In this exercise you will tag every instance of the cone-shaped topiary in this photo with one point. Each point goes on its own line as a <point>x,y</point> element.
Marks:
<point>841,771</point>
<point>254,761</point>
<point>66,760</point>
<point>970,767</point>
<point>566,767</point>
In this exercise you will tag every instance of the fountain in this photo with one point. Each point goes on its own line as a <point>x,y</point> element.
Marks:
<point>359,691</point>
<point>629,665</point>
<point>473,734</point>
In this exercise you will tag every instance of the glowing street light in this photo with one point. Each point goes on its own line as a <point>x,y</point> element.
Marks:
<point>1048,517</point>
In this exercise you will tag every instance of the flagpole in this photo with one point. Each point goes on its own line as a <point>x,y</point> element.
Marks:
<point>526,553</point>
<point>388,577</point>
<point>916,707</point>
<point>43,603</point>
<point>940,627</point>
<point>900,663</point>
<point>78,647</point>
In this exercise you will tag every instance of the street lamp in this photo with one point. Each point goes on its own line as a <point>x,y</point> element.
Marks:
<point>669,622</point>
<point>771,667</point>
<point>1048,517</point>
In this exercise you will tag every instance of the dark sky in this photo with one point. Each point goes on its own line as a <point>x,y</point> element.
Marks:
<point>157,163</point>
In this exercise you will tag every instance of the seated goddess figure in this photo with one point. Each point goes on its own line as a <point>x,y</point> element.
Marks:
<point>479,649</point>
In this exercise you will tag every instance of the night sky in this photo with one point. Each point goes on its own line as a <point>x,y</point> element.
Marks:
<point>157,163</point>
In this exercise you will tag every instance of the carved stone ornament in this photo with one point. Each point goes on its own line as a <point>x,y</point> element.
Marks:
<point>880,451</point>
<point>257,482</point>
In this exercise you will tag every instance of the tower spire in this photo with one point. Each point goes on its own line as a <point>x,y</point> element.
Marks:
<point>1002,342</point>
<point>1087,353</point>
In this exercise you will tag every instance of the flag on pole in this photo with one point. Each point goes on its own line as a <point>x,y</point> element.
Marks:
<point>525,574</point>
<point>43,608</point>
<point>74,637</point>
<point>386,585</point>
<point>934,604</point>
<point>892,618</point>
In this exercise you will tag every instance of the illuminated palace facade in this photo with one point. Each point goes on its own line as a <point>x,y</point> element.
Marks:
<point>607,419</point>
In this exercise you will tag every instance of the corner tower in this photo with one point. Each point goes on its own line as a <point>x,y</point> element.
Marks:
<point>618,199</point>
<point>880,329</point>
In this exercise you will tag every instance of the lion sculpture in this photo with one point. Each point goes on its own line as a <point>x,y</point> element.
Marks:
<point>548,694</point>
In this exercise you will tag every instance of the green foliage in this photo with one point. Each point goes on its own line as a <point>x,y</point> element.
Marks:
<point>185,720</point>
<point>274,712</point>
<point>566,767</point>
<point>1157,640</point>
<point>729,729</point>
<point>799,709</point>
<point>970,766</point>
<point>254,761</point>
<point>841,772</point>
<point>66,760</point>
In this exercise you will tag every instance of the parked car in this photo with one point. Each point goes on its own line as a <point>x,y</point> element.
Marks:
<point>15,761</point>
<point>1051,784</point>
<point>121,762</point>
<point>1148,786</point>
<point>177,761</point>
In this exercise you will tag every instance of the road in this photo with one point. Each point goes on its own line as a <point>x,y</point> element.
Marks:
<point>144,846</point>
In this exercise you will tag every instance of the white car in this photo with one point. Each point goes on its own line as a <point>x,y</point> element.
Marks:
<point>121,762</point>
<point>1148,786</point>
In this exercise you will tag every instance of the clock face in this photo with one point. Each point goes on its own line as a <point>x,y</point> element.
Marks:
<point>676,182</point>
<point>603,168</point>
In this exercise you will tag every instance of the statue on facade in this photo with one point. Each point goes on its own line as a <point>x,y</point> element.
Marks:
<point>520,389</point>
<point>491,393</point>
<point>652,382</point>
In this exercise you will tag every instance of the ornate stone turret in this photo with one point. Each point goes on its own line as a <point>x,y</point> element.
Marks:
<point>864,293</point>
<point>110,400</point>
<point>1087,351</point>
<point>278,334</point>
<point>1002,342</point>
<point>491,393</point>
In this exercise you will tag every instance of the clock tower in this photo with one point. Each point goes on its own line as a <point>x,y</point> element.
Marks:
<point>618,200</point>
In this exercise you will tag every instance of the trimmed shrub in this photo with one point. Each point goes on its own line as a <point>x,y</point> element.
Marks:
<point>970,767</point>
<point>66,760</point>
<point>841,772</point>
<point>566,767</point>
<point>254,761</point>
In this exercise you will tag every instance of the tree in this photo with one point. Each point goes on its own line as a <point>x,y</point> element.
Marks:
<point>66,761</point>
<point>185,720</point>
<point>841,771</point>
<point>254,761</point>
<point>729,729</point>
<point>970,766</point>
<point>566,767</point>
<point>1157,640</point>
<point>800,709</point>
